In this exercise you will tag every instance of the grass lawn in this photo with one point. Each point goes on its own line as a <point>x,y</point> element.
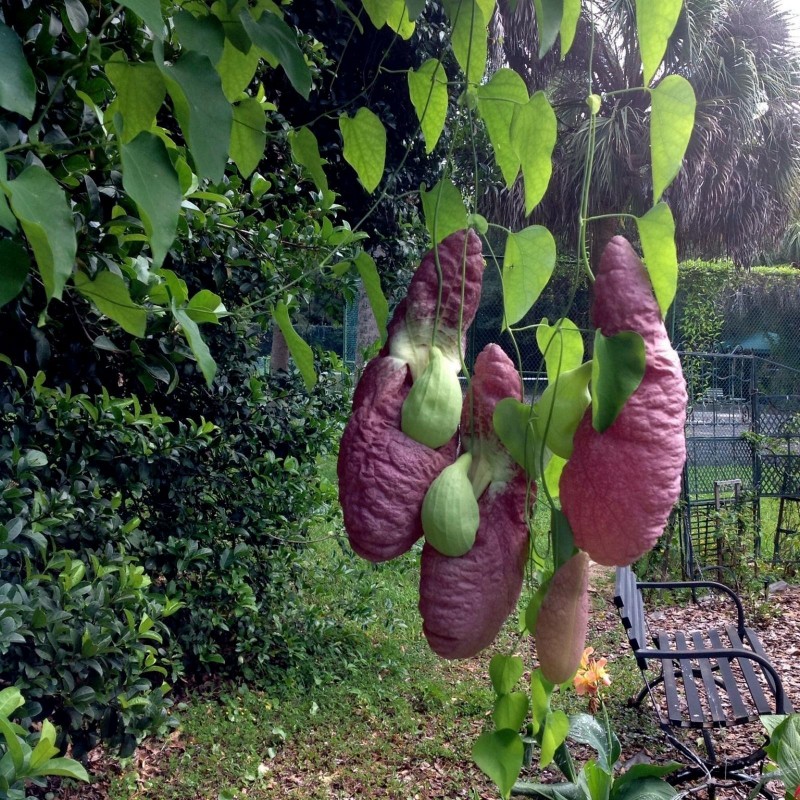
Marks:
<point>383,717</point>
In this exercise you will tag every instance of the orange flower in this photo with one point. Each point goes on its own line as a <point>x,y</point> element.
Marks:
<point>592,675</point>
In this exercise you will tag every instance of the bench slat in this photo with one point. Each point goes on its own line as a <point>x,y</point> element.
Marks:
<point>762,704</point>
<point>693,703</point>
<point>740,712</point>
<point>707,674</point>
<point>670,686</point>
<point>755,643</point>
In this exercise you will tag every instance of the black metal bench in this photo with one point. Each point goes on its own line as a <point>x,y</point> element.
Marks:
<point>714,678</point>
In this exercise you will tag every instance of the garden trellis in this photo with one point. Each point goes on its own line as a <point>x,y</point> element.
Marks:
<point>743,444</point>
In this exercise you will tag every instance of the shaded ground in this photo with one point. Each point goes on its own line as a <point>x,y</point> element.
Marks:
<point>400,735</point>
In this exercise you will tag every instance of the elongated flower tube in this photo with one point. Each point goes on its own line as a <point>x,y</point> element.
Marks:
<point>465,600</point>
<point>384,473</point>
<point>619,486</point>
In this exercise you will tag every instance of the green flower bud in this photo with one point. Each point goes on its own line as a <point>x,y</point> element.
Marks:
<point>450,515</point>
<point>432,410</point>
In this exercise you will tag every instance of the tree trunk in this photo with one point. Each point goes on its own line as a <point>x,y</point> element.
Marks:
<point>603,231</point>
<point>279,355</point>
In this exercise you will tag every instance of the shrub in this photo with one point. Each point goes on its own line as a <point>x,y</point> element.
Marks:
<point>136,546</point>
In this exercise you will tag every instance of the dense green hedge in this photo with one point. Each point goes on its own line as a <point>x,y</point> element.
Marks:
<point>136,549</point>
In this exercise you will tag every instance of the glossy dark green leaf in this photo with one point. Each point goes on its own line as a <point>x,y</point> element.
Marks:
<point>443,208</point>
<point>499,755</point>
<point>150,179</point>
<point>301,353</point>
<point>248,135</point>
<point>17,85</point>
<point>272,34</point>
<point>639,771</point>
<point>110,294</point>
<point>563,538</point>
<point>645,789</point>
<point>7,218</point>
<point>510,711</point>
<point>586,729</point>
<point>140,93</point>
<point>205,306</point>
<point>196,342</point>
<point>372,286</point>
<point>505,672</point>
<point>415,8</point>
<point>548,23</point>
<point>305,151</point>
<point>618,367</point>
<point>149,11</point>
<point>39,204</point>
<point>77,15</point>
<point>203,34</point>
<point>14,268</point>
<point>499,99</point>
<point>204,113</point>
<point>530,258</point>
<point>657,234</point>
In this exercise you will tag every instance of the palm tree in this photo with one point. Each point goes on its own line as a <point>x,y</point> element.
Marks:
<point>739,185</point>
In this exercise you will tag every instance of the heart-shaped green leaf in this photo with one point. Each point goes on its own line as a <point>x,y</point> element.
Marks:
<point>427,88</point>
<point>617,370</point>
<point>499,755</point>
<point>655,23</point>
<point>443,207</point>
<point>657,232</point>
<point>554,732</point>
<point>671,121</point>
<point>541,689</point>
<point>561,344</point>
<point>530,258</point>
<point>561,408</point>
<point>498,101</point>
<point>533,134</point>
<point>504,672</point>
<point>514,425</point>
<point>510,711</point>
<point>364,146</point>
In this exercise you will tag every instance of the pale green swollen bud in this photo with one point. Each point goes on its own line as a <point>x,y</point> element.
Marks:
<point>450,515</point>
<point>432,410</point>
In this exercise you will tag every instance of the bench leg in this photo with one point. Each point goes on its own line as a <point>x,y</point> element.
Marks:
<point>635,702</point>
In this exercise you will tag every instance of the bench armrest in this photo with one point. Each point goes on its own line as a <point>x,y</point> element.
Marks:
<point>721,587</point>
<point>691,655</point>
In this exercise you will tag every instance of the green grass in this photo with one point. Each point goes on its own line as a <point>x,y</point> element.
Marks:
<point>379,701</point>
<point>379,713</point>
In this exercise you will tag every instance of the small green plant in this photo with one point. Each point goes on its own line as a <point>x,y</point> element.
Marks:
<point>28,757</point>
<point>783,752</point>
<point>596,779</point>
